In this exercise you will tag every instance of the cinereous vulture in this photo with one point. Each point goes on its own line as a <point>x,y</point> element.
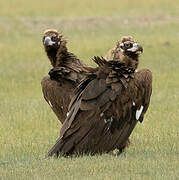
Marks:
<point>122,52</point>
<point>107,105</point>
<point>64,77</point>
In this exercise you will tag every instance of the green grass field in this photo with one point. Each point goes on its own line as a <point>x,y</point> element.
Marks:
<point>28,126</point>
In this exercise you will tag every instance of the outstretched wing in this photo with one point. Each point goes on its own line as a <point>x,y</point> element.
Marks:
<point>58,95</point>
<point>144,84</point>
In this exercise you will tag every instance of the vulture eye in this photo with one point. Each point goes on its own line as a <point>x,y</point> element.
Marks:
<point>54,38</point>
<point>128,45</point>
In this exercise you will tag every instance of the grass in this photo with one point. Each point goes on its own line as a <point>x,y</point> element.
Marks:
<point>28,126</point>
<point>71,8</point>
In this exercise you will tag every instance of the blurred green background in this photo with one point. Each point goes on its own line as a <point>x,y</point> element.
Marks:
<point>28,126</point>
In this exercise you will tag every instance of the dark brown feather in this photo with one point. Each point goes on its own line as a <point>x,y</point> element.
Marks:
<point>56,97</point>
<point>64,77</point>
<point>103,121</point>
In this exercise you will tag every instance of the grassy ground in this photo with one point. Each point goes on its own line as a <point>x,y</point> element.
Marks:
<point>29,128</point>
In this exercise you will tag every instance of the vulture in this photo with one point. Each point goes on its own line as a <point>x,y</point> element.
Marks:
<point>64,77</point>
<point>106,106</point>
<point>122,52</point>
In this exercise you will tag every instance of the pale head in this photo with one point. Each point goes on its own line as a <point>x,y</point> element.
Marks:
<point>52,39</point>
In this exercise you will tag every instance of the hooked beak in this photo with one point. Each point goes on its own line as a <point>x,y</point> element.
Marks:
<point>137,48</point>
<point>48,41</point>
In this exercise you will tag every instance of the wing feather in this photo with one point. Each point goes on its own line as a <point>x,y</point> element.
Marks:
<point>103,115</point>
<point>57,95</point>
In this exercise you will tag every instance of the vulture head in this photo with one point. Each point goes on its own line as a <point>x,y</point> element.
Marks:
<point>130,47</point>
<point>53,42</point>
<point>127,50</point>
<point>52,39</point>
